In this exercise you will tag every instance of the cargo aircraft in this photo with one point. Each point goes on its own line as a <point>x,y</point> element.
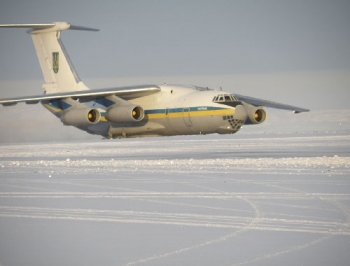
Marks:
<point>135,111</point>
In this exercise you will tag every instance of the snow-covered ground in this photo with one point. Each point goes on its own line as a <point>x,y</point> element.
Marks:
<point>268,199</point>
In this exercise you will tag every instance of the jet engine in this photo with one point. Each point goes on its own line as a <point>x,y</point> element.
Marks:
<point>124,114</point>
<point>256,115</point>
<point>81,117</point>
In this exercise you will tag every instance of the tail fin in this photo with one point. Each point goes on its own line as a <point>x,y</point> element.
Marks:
<point>58,70</point>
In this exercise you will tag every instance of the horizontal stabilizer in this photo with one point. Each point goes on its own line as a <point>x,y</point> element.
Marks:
<point>55,26</point>
<point>72,27</point>
<point>29,26</point>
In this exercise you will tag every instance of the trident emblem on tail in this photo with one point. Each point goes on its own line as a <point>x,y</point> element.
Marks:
<point>55,62</point>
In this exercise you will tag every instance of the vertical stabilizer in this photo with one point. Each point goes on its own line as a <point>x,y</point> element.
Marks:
<point>57,68</point>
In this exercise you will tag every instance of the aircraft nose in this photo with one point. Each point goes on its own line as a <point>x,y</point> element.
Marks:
<point>239,118</point>
<point>236,121</point>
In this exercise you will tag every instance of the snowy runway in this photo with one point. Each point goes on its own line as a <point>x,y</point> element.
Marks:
<point>205,200</point>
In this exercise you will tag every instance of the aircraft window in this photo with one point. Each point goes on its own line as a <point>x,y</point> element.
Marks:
<point>225,98</point>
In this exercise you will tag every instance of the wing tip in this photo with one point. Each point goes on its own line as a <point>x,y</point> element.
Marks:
<point>300,111</point>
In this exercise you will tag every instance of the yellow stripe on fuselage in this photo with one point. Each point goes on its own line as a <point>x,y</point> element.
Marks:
<point>192,113</point>
<point>179,114</point>
<point>196,113</point>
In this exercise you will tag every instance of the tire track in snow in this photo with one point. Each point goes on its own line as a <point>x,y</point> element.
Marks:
<point>180,219</point>
<point>155,194</point>
<point>283,251</point>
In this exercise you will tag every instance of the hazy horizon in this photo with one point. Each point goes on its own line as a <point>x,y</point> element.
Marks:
<point>315,90</point>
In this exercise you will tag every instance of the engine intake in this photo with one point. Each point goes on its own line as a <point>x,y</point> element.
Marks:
<point>125,114</point>
<point>81,117</point>
<point>256,115</point>
<point>259,116</point>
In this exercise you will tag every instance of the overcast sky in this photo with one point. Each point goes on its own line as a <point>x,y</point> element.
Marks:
<point>296,52</point>
<point>155,38</point>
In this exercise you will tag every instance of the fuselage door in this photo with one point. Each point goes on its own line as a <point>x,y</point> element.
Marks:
<point>187,117</point>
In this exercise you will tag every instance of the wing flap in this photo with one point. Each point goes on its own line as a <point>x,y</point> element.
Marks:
<point>266,103</point>
<point>87,95</point>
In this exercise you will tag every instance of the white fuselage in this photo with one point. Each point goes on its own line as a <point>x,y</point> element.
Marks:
<point>175,110</point>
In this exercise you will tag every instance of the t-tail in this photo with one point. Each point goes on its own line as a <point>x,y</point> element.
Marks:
<point>58,70</point>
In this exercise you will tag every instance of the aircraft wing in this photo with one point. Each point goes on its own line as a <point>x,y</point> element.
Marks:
<point>86,95</point>
<point>261,102</point>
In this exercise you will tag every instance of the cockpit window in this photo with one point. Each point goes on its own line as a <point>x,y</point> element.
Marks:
<point>225,98</point>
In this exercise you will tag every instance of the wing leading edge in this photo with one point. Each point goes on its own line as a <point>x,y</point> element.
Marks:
<point>87,95</point>
<point>266,103</point>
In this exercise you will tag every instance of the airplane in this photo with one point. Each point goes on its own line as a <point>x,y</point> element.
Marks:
<point>133,111</point>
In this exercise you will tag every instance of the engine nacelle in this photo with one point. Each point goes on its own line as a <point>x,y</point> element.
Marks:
<point>125,114</point>
<point>81,117</point>
<point>256,116</point>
